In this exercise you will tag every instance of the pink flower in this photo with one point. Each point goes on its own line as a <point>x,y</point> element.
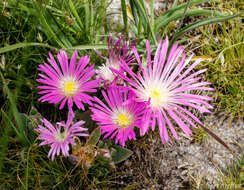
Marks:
<point>67,82</point>
<point>121,114</point>
<point>117,50</point>
<point>169,84</point>
<point>60,136</point>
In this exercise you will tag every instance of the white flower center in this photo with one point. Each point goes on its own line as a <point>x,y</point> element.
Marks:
<point>69,86</point>
<point>158,97</point>
<point>61,136</point>
<point>123,118</point>
<point>113,63</point>
<point>158,93</point>
<point>105,72</point>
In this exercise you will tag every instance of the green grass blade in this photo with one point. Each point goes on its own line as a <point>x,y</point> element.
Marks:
<point>27,169</point>
<point>101,20</point>
<point>16,114</point>
<point>139,27</point>
<point>91,23</point>
<point>74,12</point>
<point>23,45</point>
<point>85,47</point>
<point>141,8</point>
<point>79,47</point>
<point>183,16</point>
<point>200,23</point>
<point>165,19</point>
<point>49,31</point>
<point>4,140</point>
<point>57,29</point>
<point>152,20</point>
<point>94,137</point>
<point>124,13</point>
<point>21,6</point>
<point>51,26</point>
<point>87,17</point>
<point>134,12</point>
<point>175,3</point>
<point>11,123</point>
<point>184,5</point>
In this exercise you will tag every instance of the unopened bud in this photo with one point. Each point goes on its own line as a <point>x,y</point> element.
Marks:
<point>19,66</point>
<point>106,153</point>
<point>39,37</point>
<point>2,64</point>
<point>5,3</point>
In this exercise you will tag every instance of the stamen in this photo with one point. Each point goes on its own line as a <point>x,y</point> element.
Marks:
<point>159,96</point>
<point>69,86</point>
<point>123,118</point>
<point>61,136</point>
<point>154,93</point>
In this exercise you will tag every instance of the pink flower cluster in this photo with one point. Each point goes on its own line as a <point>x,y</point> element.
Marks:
<point>137,94</point>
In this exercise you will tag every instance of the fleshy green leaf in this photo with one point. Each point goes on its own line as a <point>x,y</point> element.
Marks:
<point>166,19</point>
<point>74,12</point>
<point>184,5</point>
<point>143,12</point>
<point>198,24</point>
<point>123,6</point>
<point>22,45</point>
<point>83,47</point>
<point>4,138</point>
<point>120,154</point>
<point>20,129</point>
<point>79,47</point>
<point>94,137</point>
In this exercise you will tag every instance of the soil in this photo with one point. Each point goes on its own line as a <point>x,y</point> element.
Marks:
<point>184,163</point>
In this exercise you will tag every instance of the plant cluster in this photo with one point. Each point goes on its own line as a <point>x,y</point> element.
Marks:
<point>147,84</point>
<point>137,95</point>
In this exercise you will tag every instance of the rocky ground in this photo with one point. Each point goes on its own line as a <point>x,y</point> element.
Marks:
<point>185,163</point>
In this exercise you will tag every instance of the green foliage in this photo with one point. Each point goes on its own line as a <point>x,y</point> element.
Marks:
<point>199,135</point>
<point>31,28</point>
<point>225,43</point>
<point>61,25</point>
<point>120,154</point>
<point>148,28</point>
<point>233,177</point>
<point>19,128</point>
<point>94,137</point>
<point>23,45</point>
<point>4,139</point>
<point>28,29</point>
<point>124,12</point>
<point>197,24</point>
<point>31,169</point>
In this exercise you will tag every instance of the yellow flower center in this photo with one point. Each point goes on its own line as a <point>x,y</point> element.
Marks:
<point>123,119</point>
<point>159,97</point>
<point>155,94</point>
<point>69,87</point>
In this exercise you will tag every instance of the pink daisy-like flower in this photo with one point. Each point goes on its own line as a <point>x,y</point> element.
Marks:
<point>121,114</point>
<point>168,84</point>
<point>60,136</point>
<point>117,50</point>
<point>67,82</point>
